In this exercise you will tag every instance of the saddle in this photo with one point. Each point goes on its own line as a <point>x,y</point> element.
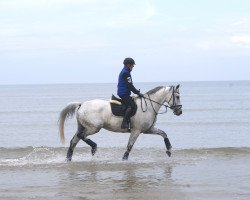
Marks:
<point>118,108</point>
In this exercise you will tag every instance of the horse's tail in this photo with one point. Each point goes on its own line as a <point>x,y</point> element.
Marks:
<point>66,113</point>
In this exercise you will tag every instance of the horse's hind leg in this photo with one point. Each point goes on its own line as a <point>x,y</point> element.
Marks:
<point>83,136</point>
<point>74,142</point>
<point>72,146</point>
<point>92,144</point>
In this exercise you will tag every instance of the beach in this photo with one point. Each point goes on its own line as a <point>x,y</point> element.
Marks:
<point>210,158</point>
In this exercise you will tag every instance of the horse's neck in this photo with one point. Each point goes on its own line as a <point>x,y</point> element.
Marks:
<point>160,98</point>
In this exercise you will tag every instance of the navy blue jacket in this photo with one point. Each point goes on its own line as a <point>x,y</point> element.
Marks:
<point>125,83</point>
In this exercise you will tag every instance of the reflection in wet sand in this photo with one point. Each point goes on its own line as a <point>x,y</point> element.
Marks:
<point>119,181</point>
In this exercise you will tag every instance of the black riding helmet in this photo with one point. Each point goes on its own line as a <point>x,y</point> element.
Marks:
<point>129,61</point>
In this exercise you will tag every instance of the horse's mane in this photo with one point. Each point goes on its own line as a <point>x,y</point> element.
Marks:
<point>153,91</point>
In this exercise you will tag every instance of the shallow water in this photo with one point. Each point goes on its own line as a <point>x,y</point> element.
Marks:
<point>189,174</point>
<point>211,147</point>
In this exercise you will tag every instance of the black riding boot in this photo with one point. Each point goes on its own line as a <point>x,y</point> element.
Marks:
<point>126,119</point>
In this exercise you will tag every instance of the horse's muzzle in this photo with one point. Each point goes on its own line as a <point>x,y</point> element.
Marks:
<point>178,112</point>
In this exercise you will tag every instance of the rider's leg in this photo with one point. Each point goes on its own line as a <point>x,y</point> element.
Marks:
<point>127,100</point>
<point>126,118</point>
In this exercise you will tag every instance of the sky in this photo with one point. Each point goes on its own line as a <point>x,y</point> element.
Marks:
<point>86,41</point>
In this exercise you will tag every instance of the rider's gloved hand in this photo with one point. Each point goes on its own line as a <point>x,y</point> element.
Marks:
<point>139,93</point>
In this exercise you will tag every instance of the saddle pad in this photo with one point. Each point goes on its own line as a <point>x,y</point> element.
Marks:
<point>115,102</point>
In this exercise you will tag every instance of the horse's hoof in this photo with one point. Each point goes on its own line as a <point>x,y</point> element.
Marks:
<point>69,155</point>
<point>68,159</point>
<point>125,157</point>
<point>168,153</point>
<point>93,151</point>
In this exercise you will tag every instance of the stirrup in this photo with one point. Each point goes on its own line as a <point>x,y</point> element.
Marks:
<point>127,127</point>
<point>124,125</point>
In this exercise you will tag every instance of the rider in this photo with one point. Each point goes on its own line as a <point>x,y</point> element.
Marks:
<point>125,86</point>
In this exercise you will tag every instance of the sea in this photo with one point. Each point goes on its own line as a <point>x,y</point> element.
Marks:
<point>210,158</point>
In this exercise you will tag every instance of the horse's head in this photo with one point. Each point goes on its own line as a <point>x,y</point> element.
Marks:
<point>174,100</point>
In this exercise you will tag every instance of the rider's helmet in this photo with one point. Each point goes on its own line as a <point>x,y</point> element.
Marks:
<point>129,61</point>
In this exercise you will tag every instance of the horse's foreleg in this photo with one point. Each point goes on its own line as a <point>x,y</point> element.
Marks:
<point>72,146</point>
<point>132,139</point>
<point>160,132</point>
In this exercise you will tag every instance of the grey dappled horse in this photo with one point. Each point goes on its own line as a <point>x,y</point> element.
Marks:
<point>96,114</point>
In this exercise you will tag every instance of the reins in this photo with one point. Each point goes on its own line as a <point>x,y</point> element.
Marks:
<point>161,104</point>
<point>166,106</point>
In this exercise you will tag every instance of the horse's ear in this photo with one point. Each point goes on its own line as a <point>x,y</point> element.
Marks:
<point>177,87</point>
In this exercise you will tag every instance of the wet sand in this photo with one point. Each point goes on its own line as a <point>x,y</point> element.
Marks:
<point>42,173</point>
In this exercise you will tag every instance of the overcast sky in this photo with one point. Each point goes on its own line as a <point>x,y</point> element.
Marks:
<point>77,41</point>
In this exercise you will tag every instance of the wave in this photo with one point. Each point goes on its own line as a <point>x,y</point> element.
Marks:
<point>218,150</point>
<point>47,156</point>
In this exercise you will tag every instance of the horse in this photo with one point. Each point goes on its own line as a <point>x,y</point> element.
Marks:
<point>96,114</point>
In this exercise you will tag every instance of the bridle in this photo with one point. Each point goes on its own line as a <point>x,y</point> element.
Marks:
<point>173,106</point>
